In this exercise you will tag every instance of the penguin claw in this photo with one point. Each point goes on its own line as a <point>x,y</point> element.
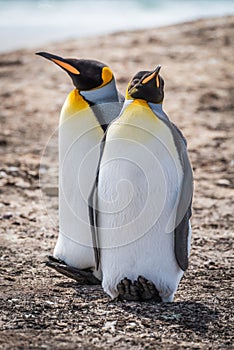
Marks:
<point>147,290</point>
<point>128,290</point>
<point>82,276</point>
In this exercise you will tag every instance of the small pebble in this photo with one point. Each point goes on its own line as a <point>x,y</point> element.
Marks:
<point>223,182</point>
<point>7,215</point>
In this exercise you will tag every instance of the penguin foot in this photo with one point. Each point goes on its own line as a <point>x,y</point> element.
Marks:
<point>82,276</point>
<point>128,290</point>
<point>147,290</point>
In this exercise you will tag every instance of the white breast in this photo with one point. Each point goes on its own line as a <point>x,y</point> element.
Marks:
<point>139,184</point>
<point>79,140</point>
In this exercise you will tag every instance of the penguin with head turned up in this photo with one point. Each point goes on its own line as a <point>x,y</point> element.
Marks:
<point>86,112</point>
<point>143,197</point>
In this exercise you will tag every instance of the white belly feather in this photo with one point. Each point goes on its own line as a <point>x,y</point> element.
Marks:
<point>139,182</point>
<point>79,141</point>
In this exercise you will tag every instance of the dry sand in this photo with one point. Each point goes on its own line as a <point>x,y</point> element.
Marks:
<point>43,310</point>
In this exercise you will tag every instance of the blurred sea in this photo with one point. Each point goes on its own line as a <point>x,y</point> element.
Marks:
<point>28,23</point>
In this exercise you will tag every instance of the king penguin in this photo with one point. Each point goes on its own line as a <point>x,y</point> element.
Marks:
<point>143,197</point>
<point>86,112</point>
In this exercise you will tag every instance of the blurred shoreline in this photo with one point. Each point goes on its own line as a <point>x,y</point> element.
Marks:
<point>28,24</point>
<point>33,46</point>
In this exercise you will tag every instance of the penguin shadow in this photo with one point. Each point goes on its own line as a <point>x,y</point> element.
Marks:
<point>188,315</point>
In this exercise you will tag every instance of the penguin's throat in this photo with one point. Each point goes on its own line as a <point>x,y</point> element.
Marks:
<point>141,103</point>
<point>140,112</point>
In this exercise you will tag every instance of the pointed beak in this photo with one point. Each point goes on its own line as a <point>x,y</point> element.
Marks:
<point>133,89</point>
<point>48,55</point>
<point>157,69</point>
<point>61,62</point>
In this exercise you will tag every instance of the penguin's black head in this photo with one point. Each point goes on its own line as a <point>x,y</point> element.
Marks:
<point>85,74</point>
<point>147,85</point>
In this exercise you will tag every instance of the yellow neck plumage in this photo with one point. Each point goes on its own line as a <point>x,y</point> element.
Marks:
<point>73,104</point>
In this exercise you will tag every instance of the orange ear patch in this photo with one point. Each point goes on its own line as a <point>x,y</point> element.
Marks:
<point>66,66</point>
<point>107,75</point>
<point>147,79</point>
<point>157,81</point>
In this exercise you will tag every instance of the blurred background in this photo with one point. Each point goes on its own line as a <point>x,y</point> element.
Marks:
<point>28,23</point>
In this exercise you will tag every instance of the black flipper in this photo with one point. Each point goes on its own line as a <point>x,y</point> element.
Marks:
<point>93,211</point>
<point>183,209</point>
<point>181,241</point>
